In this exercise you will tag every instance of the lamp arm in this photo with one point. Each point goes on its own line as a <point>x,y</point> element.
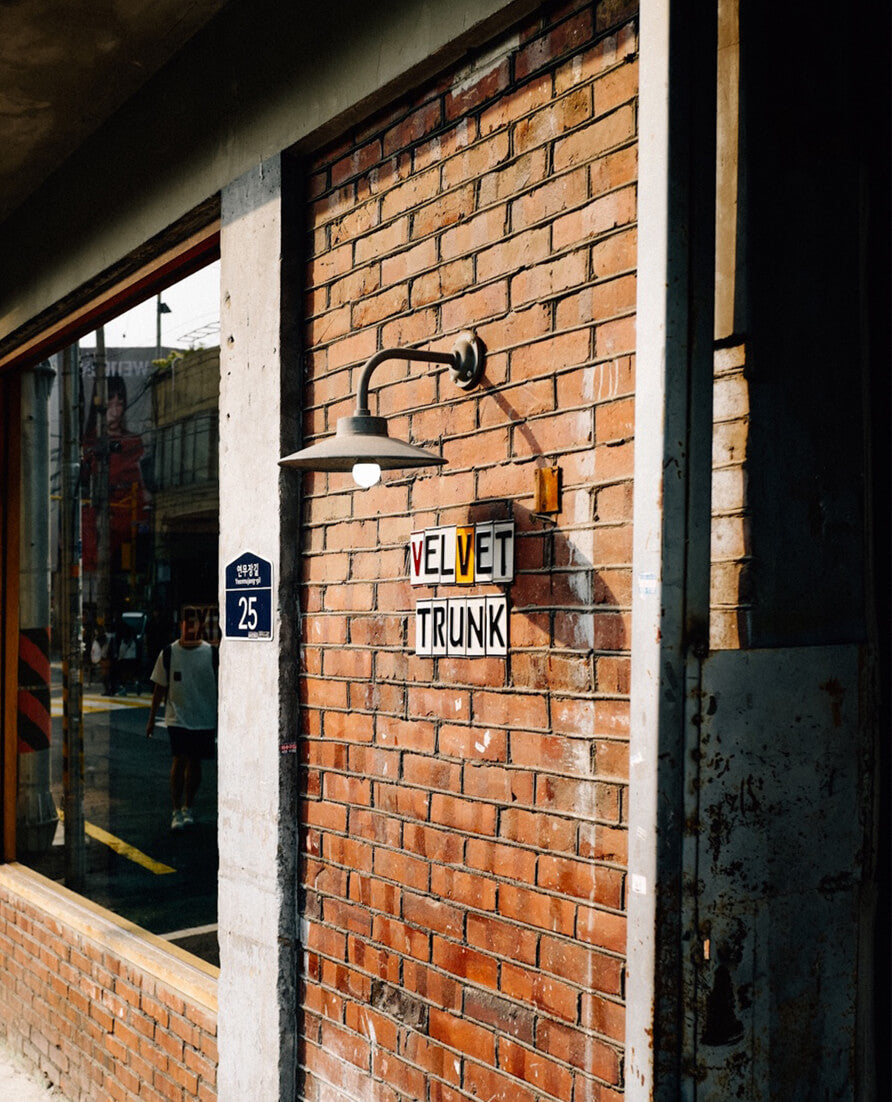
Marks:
<point>362,390</point>
<point>465,365</point>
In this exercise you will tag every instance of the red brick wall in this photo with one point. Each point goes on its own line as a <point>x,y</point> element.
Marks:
<point>79,1008</point>
<point>464,846</point>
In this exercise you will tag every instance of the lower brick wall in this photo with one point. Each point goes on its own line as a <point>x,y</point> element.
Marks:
<point>103,1009</point>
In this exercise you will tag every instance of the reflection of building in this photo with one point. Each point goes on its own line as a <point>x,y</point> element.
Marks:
<point>185,526</point>
<point>128,371</point>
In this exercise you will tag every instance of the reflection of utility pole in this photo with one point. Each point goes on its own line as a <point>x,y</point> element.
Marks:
<point>36,811</point>
<point>100,489</point>
<point>162,308</point>
<point>72,650</point>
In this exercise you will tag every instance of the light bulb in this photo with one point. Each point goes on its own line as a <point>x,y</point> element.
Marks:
<point>366,474</point>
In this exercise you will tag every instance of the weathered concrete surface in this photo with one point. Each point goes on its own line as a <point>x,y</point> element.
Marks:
<point>251,894</point>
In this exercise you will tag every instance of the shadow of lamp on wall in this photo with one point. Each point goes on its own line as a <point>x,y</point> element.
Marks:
<point>361,443</point>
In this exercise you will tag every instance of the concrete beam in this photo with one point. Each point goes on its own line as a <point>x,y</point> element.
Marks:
<point>259,78</point>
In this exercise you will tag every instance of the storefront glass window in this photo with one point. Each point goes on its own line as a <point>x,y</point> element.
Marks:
<point>142,393</point>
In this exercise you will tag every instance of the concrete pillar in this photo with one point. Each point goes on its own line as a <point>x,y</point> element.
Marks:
<point>256,787</point>
<point>671,552</point>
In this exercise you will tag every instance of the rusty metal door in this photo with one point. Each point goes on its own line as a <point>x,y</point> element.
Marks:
<point>778,801</point>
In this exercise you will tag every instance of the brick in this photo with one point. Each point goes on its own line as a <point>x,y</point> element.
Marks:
<point>551,198</point>
<point>322,269</point>
<point>410,872</point>
<point>411,802</point>
<point>408,263</point>
<point>579,1049</point>
<point>581,965</point>
<point>519,101</point>
<point>345,1044</point>
<point>604,300</point>
<point>442,282</point>
<point>433,914</point>
<point>607,52</point>
<point>471,90</point>
<point>503,709</point>
<point>514,253</point>
<point>478,159</point>
<point>548,995</point>
<point>460,1034</point>
<point>432,773</point>
<point>419,188</point>
<point>378,961</point>
<point>603,1016</point>
<point>506,862</point>
<point>352,852</point>
<point>603,215</point>
<point>614,338</point>
<point>519,175</point>
<point>459,960</point>
<point>465,815</point>
<point>431,985</point>
<point>446,210</point>
<point>358,220</point>
<point>533,1068</point>
<point>506,786</point>
<point>466,888</point>
<point>398,1074</point>
<point>594,140</point>
<point>357,161</point>
<point>547,356</point>
<point>548,912</point>
<point>616,11</point>
<point>439,703</point>
<point>553,120</point>
<point>549,279</point>
<point>482,1082</point>
<point>566,37</point>
<point>616,253</point>
<point>550,752</point>
<point>602,928</point>
<point>437,845</point>
<point>414,127</point>
<point>444,420</point>
<point>359,282</point>
<point>476,233</point>
<point>380,242</point>
<point>401,937</point>
<point>582,880</point>
<point>485,302</point>
<point>442,145</point>
<point>372,309</point>
<point>470,743</point>
<point>616,87</point>
<point>434,1058</point>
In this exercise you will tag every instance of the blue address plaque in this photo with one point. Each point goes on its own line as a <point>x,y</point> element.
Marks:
<point>249,598</point>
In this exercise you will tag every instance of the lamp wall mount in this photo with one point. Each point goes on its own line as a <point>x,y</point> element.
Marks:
<point>362,440</point>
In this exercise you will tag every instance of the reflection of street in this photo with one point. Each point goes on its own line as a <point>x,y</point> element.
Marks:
<point>163,881</point>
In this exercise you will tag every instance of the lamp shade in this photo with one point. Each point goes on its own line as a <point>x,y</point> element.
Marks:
<point>361,439</point>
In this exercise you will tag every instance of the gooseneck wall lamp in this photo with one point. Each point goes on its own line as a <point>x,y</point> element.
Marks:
<point>361,443</point>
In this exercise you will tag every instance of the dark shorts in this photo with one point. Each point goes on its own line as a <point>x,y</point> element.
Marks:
<point>186,743</point>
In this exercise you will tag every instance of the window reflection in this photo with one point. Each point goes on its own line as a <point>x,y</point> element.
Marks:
<point>148,504</point>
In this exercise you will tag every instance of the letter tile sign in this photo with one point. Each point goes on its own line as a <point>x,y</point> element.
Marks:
<point>474,554</point>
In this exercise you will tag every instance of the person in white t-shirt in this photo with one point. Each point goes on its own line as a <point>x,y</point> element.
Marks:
<point>185,673</point>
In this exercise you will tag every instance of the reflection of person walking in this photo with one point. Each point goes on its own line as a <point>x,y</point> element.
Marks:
<point>186,673</point>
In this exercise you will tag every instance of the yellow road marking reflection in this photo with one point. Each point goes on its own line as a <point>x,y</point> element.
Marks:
<point>125,850</point>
